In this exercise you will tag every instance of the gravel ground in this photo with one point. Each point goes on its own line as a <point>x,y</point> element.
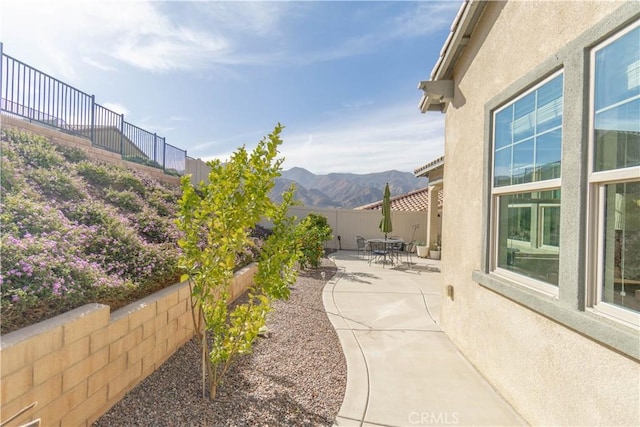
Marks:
<point>294,377</point>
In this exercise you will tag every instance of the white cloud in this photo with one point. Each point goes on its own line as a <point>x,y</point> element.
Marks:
<point>100,33</point>
<point>424,19</point>
<point>56,33</point>
<point>394,137</point>
<point>96,64</point>
<point>262,18</point>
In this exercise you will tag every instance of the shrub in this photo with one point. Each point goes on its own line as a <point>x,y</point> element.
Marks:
<point>35,150</point>
<point>8,180</point>
<point>90,212</point>
<point>155,228</point>
<point>63,245</point>
<point>22,214</point>
<point>162,207</point>
<point>216,222</point>
<point>124,199</point>
<point>312,232</point>
<point>95,173</point>
<point>48,273</point>
<point>72,154</point>
<point>126,180</point>
<point>56,183</point>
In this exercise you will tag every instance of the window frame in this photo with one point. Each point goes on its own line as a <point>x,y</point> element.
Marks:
<point>569,309</point>
<point>596,197</point>
<point>505,190</point>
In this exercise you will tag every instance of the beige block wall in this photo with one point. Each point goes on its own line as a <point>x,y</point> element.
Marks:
<point>94,153</point>
<point>349,223</point>
<point>550,374</point>
<point>79,364</point>
<point>198,170</point>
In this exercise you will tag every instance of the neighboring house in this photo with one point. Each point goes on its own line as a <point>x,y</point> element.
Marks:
<point>428,200</point>
<point>434,172</point>
<point>414,201</point>
<point>542,221</point>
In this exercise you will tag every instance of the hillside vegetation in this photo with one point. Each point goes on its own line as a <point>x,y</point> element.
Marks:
<point>75,231</point>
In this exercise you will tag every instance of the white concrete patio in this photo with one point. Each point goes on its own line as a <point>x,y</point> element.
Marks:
<point>402,369</point>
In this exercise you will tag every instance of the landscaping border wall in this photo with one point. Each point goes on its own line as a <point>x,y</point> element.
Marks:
<point>79,364</point>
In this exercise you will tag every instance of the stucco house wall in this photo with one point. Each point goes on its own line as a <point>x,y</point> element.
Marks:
<point>551,373</point>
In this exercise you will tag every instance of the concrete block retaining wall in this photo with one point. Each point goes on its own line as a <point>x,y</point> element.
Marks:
<point>79,364</point>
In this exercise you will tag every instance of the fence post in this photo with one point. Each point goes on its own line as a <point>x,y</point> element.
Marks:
<point>93,119</point>
<point>122,135</point>
<point>164,155</point>
<point>155,147</point>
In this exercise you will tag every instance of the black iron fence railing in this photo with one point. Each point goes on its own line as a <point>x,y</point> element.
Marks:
<point>31,94</point>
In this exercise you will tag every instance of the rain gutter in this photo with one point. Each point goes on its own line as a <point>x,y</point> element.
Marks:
<point>438,91</point>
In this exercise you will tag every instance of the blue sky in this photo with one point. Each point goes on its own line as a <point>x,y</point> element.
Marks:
<point>211,76</point>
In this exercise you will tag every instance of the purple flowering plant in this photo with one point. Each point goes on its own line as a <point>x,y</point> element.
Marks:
<point>75,231</point>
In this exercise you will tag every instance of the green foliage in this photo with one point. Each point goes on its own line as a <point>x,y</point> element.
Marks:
<point>9,176</point>
<point>124,199</point>
<point>56,182</point>
<point>75,231</point>
<point>95,173</point>
<point>142,161</point>
<point>216,220</point>
<point>21,215</point>
<point>312,232</point>
<point>125,180</point>
<point>72,154</point>
<point>36,150</point>
<point>110,176</point>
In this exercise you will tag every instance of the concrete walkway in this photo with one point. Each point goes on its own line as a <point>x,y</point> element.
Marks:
<point>402,370</point>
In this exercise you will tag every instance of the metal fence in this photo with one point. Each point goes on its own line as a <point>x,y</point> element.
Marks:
<point>29,93</point>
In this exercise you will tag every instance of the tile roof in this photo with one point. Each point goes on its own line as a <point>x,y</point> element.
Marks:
<point>432,165</point>
<point>414,201</point>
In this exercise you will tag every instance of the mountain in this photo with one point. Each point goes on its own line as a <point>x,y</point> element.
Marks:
<point>345,190</point>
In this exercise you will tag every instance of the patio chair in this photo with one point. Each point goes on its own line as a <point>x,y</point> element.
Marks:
<point>378,251</point>
<point>361,244</point>
<point>397,248</point>
<point>408,249</point>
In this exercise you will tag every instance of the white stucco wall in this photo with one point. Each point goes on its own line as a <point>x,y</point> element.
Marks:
<point>549,373</point>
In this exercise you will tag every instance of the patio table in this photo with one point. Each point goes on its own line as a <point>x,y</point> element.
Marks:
<point>387,247</point>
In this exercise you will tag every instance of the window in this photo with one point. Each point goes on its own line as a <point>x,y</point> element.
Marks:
<point>527,145</point>
<point>615,176</point>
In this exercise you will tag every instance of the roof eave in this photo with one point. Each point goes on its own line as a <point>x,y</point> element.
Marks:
<point>461,29</point>
<point>429,167</point>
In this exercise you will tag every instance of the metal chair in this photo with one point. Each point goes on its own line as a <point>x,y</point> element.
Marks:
<point>377,251</point>
<point>361,244</point>
<point>408,249</point>
<point>397,248</point>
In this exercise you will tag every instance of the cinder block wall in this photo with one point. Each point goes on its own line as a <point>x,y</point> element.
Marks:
<point>93,153</point>
<point>79,364</point>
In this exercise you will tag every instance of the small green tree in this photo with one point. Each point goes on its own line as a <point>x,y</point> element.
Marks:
<point>216,219</point>
<point>312,232</point>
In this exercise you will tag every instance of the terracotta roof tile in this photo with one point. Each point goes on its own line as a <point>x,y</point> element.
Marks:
<point>414,201</point>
